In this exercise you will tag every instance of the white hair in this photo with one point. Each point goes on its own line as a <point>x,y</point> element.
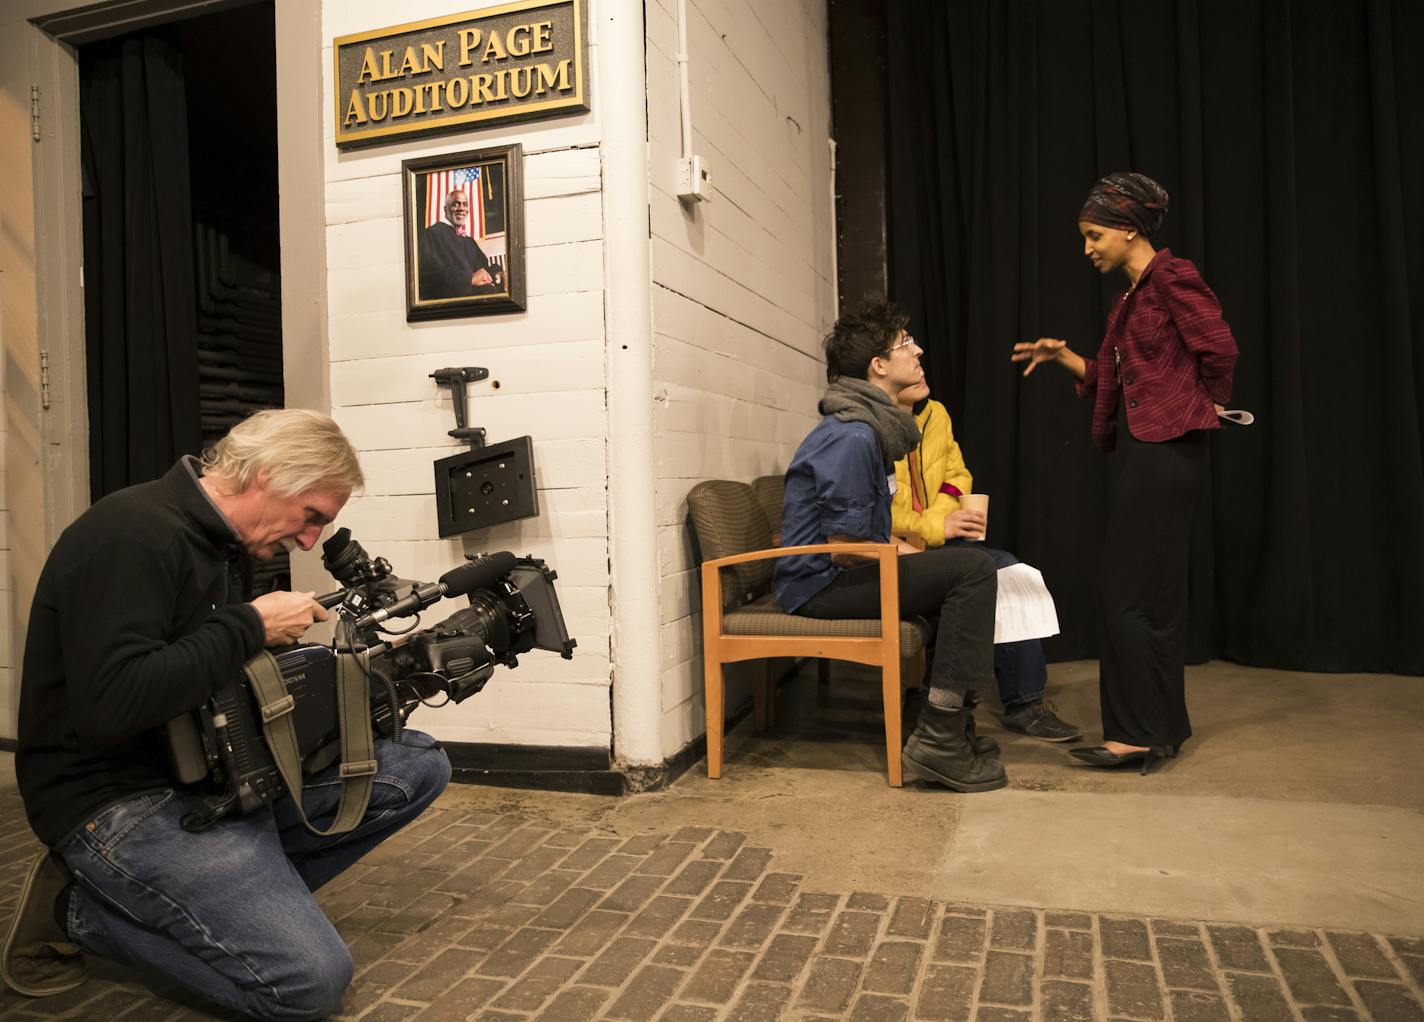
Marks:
<point>299,451</point>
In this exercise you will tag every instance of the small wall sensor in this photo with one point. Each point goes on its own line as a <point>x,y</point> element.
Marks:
<point>694,180</point>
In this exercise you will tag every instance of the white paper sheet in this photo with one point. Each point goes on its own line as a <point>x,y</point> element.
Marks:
<point>1025,607</point>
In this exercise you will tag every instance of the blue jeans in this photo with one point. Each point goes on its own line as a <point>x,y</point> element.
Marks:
<point>1019,667</point>
<point>228,912</point>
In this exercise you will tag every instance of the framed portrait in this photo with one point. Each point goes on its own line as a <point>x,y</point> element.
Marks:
<point>464,233</point>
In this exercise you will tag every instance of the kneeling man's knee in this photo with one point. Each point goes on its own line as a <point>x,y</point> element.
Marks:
<point>329,979</point>
<point>320,976</point>
<point>426,768</point>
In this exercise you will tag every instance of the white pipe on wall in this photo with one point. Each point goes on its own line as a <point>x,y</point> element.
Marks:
<point>628,320</point>
<point>684,89</point>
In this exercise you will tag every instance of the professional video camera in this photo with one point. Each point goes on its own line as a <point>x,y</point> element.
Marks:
<point>512,609</point>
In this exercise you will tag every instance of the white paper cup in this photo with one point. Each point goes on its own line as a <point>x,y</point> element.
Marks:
<point>977,502</point>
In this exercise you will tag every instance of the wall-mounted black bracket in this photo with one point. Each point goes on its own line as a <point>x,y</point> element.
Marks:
<point>455,379</point>
<point>486,486</point>
<point>483,486</point>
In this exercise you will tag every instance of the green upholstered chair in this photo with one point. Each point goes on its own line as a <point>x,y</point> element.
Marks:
<point>742,621</point>
<point>769,492</point>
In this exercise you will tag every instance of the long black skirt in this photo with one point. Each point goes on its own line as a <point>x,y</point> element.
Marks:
<point>1142,587</point>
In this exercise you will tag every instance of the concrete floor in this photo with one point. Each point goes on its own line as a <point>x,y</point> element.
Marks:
<point>1299,802</point>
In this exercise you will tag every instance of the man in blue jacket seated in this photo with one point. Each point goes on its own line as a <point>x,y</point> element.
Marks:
<point>838,490</point>
<point>139,617</point>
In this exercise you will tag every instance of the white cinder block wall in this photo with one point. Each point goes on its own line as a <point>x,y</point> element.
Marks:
<point>742,285</point>
<point>546,380</point>
<point>741,293</point>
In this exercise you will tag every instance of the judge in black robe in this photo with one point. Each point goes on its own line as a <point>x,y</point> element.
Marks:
<point>452,264</point>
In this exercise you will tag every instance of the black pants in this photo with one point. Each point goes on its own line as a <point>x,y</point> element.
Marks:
<point>955,585</point>
<point>1142,589</point>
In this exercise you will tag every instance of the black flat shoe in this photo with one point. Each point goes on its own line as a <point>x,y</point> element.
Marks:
<point>1101,756</point>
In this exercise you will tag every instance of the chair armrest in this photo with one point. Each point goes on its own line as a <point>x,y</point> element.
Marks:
<point>880,550</point>
<point>887,554</point>
<point>910,539</point>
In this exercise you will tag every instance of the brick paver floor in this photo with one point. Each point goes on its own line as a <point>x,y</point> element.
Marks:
<point>496,916</point>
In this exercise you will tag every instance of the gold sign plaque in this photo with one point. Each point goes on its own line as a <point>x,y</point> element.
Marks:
<point>512,62</point>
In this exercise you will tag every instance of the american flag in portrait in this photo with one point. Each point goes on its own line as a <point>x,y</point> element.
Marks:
<point>438,187</point>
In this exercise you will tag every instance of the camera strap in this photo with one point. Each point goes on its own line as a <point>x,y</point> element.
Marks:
<point>358,755</point>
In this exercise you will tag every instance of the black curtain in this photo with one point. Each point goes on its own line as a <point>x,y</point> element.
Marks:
<point>1288,136</point>
<point>139,298</point>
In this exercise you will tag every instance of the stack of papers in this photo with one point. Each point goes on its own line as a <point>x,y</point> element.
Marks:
<point>1025,609</point>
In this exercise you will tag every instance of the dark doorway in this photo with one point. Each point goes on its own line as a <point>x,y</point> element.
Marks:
<point>181,251</point>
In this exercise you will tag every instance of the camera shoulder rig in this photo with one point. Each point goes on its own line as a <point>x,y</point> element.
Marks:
<point>298,710</point>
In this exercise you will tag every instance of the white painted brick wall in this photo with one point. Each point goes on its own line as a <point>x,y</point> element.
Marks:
<point>742,289</point>
<point>546,381</point>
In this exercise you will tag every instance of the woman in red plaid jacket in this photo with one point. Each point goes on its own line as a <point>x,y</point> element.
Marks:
<point>1157,382</point>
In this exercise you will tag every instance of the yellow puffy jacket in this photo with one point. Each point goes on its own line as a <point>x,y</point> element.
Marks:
<point>935,462</point>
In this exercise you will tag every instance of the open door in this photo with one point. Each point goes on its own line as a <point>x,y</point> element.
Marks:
<point>45,480</point>
<point>183,316</point>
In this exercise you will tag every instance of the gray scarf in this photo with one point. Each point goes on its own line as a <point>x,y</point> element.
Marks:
<point>852,400</point>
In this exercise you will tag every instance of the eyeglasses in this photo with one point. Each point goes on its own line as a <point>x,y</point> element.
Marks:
<point>907,342</point>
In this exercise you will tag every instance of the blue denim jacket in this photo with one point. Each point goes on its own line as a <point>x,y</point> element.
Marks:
<point>836,485</point>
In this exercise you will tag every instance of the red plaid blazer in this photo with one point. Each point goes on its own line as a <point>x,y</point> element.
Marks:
<point>1168,355</point>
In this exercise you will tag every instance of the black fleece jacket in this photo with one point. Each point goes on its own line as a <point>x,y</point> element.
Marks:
<point>137,619</point>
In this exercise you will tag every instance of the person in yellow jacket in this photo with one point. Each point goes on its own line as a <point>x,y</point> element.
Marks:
<point>925,509</point>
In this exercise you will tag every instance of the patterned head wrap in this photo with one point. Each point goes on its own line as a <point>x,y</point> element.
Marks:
<point>1128,202</point>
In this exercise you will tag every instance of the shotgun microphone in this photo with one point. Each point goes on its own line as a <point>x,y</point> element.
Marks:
<point>461,581</point>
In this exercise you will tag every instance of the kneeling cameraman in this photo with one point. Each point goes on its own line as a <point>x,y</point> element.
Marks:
<point>138,618</point>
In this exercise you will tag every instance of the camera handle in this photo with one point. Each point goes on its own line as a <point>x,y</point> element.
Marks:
<point>455,378</point>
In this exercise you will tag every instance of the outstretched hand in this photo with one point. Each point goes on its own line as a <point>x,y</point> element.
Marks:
<point>1045,349</point>
<point>286,616</point>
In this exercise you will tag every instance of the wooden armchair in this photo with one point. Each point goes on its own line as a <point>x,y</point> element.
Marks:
<point>742,621</point>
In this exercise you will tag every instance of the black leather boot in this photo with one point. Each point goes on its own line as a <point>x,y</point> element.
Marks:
<point>983,746</point>
<point>939,750</point>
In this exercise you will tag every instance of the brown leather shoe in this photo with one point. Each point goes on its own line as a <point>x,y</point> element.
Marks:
<point>38,960</point>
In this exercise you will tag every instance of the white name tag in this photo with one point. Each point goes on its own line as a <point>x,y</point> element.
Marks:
<point>890,481</point>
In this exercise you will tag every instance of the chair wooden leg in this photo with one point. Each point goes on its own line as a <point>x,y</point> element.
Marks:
<point>890,691</point>
<point>713,688</point>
